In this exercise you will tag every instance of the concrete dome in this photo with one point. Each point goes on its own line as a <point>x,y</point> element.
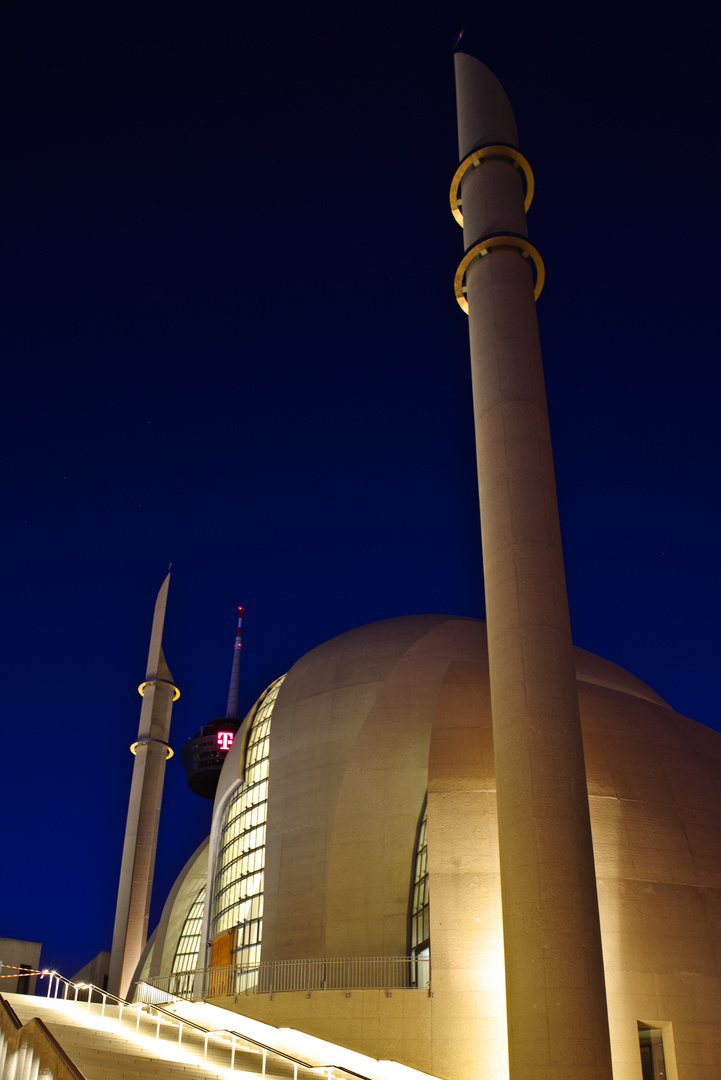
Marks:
<point>373,723</point>
<point>368,723</point>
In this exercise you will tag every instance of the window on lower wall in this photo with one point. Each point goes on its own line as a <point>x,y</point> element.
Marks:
<point>653,1062</point>
<point>420,943</point>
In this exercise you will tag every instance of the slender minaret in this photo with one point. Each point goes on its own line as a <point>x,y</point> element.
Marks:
<point>557,1014</point>
<point>151,751</point>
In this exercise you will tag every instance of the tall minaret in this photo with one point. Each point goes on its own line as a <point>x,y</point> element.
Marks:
<point>557,1014</point>
<point>151,751</point>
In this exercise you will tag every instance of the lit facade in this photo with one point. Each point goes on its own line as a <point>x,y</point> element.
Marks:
<point>368,729</point>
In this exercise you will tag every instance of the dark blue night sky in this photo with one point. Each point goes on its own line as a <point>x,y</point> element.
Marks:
<point>231,341</point>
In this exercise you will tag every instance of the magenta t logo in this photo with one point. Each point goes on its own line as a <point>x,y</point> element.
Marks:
<point>224,739</point>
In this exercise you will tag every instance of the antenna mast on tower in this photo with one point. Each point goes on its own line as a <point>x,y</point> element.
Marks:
<point>204,754</point>
<point>231,709</point>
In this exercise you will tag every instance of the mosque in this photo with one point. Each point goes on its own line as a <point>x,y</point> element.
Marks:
<point>350,887</point>
<point>470,849</point>
<point>445,843</point>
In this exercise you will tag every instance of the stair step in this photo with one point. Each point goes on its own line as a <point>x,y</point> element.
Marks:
<point>115,1054</point>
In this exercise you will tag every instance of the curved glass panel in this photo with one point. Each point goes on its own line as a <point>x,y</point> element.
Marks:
<point>188,947</point>
<point>420,909</point>
<point>240,863</point>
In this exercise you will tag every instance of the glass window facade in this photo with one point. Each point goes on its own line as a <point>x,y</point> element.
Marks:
<point>420,909</point>
<point>240,863</point>
<point>186,953</point>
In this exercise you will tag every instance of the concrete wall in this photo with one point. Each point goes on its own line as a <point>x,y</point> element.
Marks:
<point>95,972</point>
<point>655,794</point>
<point>15,953</point>
<point>465,898</point>
<point>396,1026</point>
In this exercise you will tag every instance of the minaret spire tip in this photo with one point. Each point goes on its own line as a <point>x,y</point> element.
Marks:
<point>156,634</point>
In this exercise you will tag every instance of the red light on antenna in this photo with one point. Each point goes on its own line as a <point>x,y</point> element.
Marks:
<point>241,609</point>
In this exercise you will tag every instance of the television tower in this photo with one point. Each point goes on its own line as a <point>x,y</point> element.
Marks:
<point>151,750</point>
<point>555,989</point>
<point>204,754</point>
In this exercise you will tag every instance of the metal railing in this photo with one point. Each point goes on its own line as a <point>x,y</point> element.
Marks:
<point>156,1020</point>
<point>279,976</point>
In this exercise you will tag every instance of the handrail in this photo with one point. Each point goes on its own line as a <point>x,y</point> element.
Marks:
<point>182,1021</point>
<point>309,974</point>
<point>122,1002</point>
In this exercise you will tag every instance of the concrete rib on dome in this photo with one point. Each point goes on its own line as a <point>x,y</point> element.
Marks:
<point>370,651</point>
<point>591,668</point>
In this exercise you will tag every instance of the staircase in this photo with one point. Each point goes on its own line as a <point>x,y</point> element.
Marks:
<point>131,1044</point>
